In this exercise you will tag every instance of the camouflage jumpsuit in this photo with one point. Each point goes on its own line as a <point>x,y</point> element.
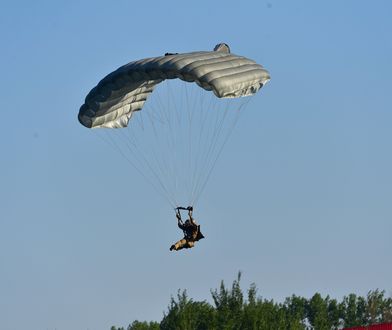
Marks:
<point>191,233</point>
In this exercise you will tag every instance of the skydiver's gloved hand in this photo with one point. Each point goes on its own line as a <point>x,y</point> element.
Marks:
<point>190,211</point>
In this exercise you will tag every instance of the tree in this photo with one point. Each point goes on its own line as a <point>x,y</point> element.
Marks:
<point>350,310</point>
<point>378,309</point>
<point>317,311</point>
<point>229,305</point>
<point>184,313</point>
<point>136,325</point>
<point>230,310</point>
<point>335,315</point>
<point>296,312</point>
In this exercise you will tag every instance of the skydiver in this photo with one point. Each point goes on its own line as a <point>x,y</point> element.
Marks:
<point>190,228</point>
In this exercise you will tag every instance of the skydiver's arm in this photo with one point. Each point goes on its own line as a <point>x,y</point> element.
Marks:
<point>190,210</point>
<point>193,222</point>
<point>179,220</point>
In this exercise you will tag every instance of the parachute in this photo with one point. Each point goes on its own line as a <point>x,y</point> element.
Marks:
<point>179,119</point>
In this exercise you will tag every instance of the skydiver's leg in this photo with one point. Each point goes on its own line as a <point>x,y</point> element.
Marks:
<point>189,244</point>
<point>179,245</point>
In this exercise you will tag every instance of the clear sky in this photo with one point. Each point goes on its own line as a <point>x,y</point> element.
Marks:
<point>300,200</point>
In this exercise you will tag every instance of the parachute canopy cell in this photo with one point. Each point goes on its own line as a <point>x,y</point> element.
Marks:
<point>112,102</point>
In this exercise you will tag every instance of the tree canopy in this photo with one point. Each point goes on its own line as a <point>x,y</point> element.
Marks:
<point>231,310</point>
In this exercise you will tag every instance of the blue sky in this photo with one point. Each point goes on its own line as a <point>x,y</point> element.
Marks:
<point>300,200</point>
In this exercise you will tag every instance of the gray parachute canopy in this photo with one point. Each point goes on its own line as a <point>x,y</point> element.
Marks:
<point>111,103</point>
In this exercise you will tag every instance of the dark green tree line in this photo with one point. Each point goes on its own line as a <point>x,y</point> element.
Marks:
<point>231,311</point>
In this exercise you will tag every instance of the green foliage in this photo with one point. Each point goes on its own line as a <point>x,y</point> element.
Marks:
<point>136,325</point>
<point>229,306</point>
<point>231,311</point>
<point>377,308</point>
<point>352,311</point>
<point>317,312</point>
<point>334,314</point>
<point>296,312</point>
<point>184,313</point>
